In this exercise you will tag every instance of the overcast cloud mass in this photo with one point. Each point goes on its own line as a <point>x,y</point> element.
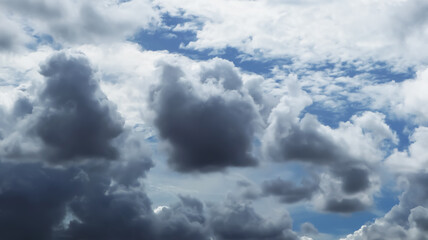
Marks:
<point>213,120</point>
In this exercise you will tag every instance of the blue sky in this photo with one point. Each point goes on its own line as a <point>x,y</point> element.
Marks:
<point>214,119</point>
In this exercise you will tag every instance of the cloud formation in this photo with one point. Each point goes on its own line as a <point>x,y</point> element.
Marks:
<point>205,134</point>
<point>78,121</point>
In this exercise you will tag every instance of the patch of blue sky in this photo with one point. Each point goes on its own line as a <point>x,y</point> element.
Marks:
<point>387,198</point>
<point>403,129</point>
<point>331,223</point>
<point>166,38</point>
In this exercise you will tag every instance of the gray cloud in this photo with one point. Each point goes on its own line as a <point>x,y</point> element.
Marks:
<point>81,203</point>
<point>33,200</point>
<point>345,205</point>
<point>78,121</point>
<point>354,179</point>
<point>22,107</point>
<point>406,220</point>
<point>205,134</point>
<point>288,191</point>
<point>80,22</point>
<point>236,221</point>
<point>305,142</point>
<point>343,173</point>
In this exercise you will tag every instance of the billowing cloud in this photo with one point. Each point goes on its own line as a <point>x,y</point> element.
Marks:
<point>205,134</point>
<point>78,121</point>
<point>344,157</point>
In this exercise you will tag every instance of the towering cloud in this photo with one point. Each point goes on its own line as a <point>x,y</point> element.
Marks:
<point>205,133</point>
<point>78,121</point>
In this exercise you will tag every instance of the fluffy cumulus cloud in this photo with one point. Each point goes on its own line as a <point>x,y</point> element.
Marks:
<point>205,133</point>
<point>345,157</point>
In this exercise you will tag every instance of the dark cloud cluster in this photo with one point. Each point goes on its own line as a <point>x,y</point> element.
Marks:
<point>205,134</point>
<point>68,198</point>
<point>80,203</point>
<point>78,121</point>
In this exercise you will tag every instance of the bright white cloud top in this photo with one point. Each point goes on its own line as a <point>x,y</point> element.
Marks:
<point>228,119</point>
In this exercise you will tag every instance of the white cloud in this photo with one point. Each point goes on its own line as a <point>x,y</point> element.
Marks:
<point>312,31</point>
<point>406,100</point>
<point>415,158</point>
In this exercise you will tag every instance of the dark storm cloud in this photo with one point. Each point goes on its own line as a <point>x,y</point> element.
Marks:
<point>288,191</point>
<point>78,120</point>
<point>205,134</point>
<point>236,221</point>
<point>184,220</point>
<point>344,205</point>
<point>33,200</point>
<point>81,203</point>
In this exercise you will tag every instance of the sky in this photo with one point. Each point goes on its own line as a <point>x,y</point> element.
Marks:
<point>213,120</point>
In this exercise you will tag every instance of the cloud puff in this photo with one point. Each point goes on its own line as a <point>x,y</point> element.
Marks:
<point>344,157</point>
<point>205,134</point>
<point>77,121</point>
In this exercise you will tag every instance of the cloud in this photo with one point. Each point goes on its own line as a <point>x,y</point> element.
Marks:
<point>302,31</point>
<point>404,100</point>
<point>80,22</point>
<point>77,121</point>
<point>13,37</point>
<point>204,134</point>
<point>308,228</point>
<point>345,158</point>
<point>344,205</point>
<point>237,221</point>
<point>406,220</point>
<point>288,191</point>
<point>33,200</point>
